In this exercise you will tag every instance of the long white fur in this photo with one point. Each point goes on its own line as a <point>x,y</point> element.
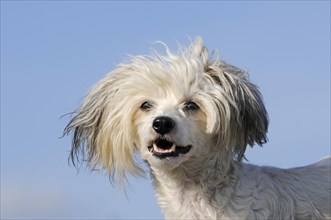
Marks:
<point>210,181</point>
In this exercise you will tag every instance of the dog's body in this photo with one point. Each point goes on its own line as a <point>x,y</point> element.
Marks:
<point>191,119</point>
<point>251,192</point>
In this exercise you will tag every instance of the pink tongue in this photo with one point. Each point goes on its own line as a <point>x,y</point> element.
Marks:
<point>162,149</point>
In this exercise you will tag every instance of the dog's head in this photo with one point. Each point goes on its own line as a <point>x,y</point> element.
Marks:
<point>172,109</point>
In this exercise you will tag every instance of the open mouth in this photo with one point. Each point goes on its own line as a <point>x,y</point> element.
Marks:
<point>163,148</point>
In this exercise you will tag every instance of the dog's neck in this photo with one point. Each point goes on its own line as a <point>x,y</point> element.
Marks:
<point>211,169</point>
<point>199,178</point>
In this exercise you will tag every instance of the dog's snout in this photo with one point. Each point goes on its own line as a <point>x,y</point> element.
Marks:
<point>163,125</point>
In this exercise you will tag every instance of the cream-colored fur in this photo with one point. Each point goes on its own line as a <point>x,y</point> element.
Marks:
<point>191,118</point>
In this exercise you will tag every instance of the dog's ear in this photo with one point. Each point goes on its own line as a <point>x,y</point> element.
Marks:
<point>101,135</point>
<point>248,118</point>
<point>243,119</point>
<point>252,118</point>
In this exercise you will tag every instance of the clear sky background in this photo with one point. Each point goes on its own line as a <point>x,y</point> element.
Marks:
<point>52,52</point>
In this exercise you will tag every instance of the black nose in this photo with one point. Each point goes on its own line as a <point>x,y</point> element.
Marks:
<point>163,125</point>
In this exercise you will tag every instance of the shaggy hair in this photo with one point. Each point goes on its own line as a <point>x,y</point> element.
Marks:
<point>191,118</point>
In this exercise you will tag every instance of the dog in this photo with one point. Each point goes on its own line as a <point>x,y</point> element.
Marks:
<point>190,117</point>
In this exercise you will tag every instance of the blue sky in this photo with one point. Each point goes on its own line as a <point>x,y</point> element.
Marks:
<point>53,52</point>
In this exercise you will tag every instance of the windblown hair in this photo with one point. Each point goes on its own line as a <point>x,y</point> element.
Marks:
<point>191,117</point>
<point>103,134</point>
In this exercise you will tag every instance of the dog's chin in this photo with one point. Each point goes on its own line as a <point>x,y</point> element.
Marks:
<point>166,150</point>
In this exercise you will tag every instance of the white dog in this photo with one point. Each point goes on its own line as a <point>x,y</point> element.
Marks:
<point>191,118</point>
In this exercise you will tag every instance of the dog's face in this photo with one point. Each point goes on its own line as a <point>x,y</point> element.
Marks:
<point>171,109</point>
<point>171,124</point>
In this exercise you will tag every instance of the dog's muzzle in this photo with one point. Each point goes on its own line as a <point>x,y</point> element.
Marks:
<point>162,148</point>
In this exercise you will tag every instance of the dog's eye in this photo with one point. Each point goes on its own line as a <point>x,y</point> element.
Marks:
<point>146,105</point>
<point>191,106</point>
